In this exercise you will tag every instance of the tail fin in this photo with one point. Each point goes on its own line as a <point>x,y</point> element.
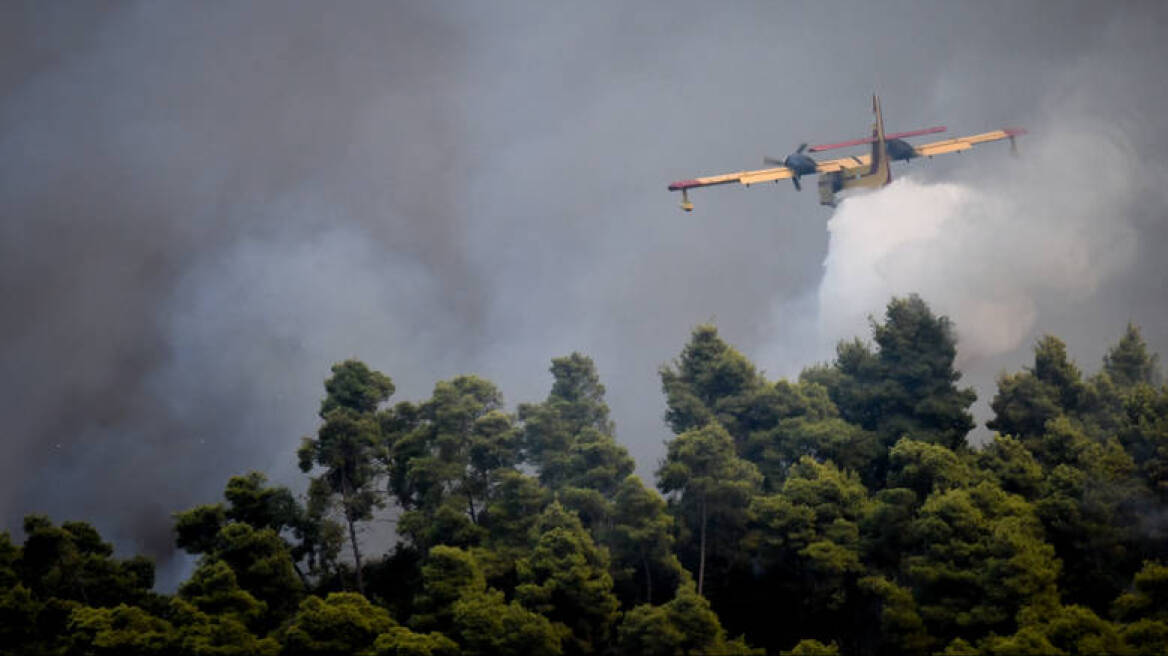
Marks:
<point>880,166</point>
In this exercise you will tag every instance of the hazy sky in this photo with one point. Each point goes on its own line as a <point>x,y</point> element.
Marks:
<point>203,206</point>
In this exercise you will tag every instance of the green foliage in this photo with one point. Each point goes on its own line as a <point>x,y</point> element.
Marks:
<point>9,558</point>
<point>839,514</point>
<point>446,524</point>
<point>311,539</point>
<point>1027,641</point>
<point>711,381</point>
<point>457,602</point>
<point>1073,630</point>
<point>19,612</point>
<point>566,579</point>
<point>709,484</point>
<point>253,502</point>
<point>1054,629</point>
<point>649,630</point>
<point>884,527</point>
<point>342,623</point>
<point>446,459</point>
<point>805,543</point>
<point>204,634</point>
<point>262,566</point>
<point>1012,466</point>
<point>568,438</point>
<point>449,574</point>
<point>908,386</point>
<point>926,468</point>
<point>214,589</point>
<point>685,625</point>
<point>1143,431</point>
<point>1023,405</point>
<point>811,647</point>
<point>1095,442</point>
<point>594,469</point>
<point>1148,597</point>
<point>354,386</point>
<point>578,386</point>
<point>1089,510</point>
<point>514,510</point>
<point>484,624</point>
<point>902,631</point>
<point>978,557</point>
<point>1146,637</point>
<point>120,631</point>
<point>1026,401</point>
<point>400,641</point>
<point>71,562</point>
<point>818,506</point>
<point>1128,363</point>
<point>642,543</point>
<point>346,447</point>
<point>575,404</point>
<point>790,421</point>
<point>197,529</point>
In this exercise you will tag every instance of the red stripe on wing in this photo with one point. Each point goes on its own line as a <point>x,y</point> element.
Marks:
<point>868,140</point>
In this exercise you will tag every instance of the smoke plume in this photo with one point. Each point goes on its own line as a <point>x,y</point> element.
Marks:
<point>1045,229</point>
<point>202,207</point>
<point>1057,240</point>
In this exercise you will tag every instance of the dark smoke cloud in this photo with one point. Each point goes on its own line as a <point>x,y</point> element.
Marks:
<point>190,195</point>
<point>203,207</point>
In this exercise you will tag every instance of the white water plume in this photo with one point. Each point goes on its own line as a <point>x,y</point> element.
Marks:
<point>1050,226</point>
<point>1047,229</point>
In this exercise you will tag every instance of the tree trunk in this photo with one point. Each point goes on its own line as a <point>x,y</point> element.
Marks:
<point>345,494</point>
<point>356,556</point>
<point>702,557</point>
<point>648,579</point>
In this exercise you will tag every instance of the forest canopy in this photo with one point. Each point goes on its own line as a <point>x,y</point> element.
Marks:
<point>844,512</point>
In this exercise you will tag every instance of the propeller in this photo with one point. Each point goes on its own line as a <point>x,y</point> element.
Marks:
<point>789,164</point>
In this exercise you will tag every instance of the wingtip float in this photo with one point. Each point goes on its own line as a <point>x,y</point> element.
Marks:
<point>870,170</point>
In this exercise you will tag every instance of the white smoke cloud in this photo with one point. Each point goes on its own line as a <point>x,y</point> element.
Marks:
<point>990,253</point>
<point>266,319</point>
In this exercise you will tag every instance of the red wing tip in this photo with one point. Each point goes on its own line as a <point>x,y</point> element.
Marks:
<point>683,184</point>
<point>1014,131</point>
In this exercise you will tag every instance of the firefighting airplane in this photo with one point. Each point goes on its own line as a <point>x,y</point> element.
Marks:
<point>854,172</point>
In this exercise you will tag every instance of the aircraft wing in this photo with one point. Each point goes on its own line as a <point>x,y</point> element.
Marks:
<point>744,177</point>
<point>772,174</point>
<point>965,143</point>
<point>843,164</point>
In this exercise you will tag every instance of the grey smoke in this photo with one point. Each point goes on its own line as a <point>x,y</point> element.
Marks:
<point>1056,241</point>
<point>203,207</point>
<point>1046,229</point>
